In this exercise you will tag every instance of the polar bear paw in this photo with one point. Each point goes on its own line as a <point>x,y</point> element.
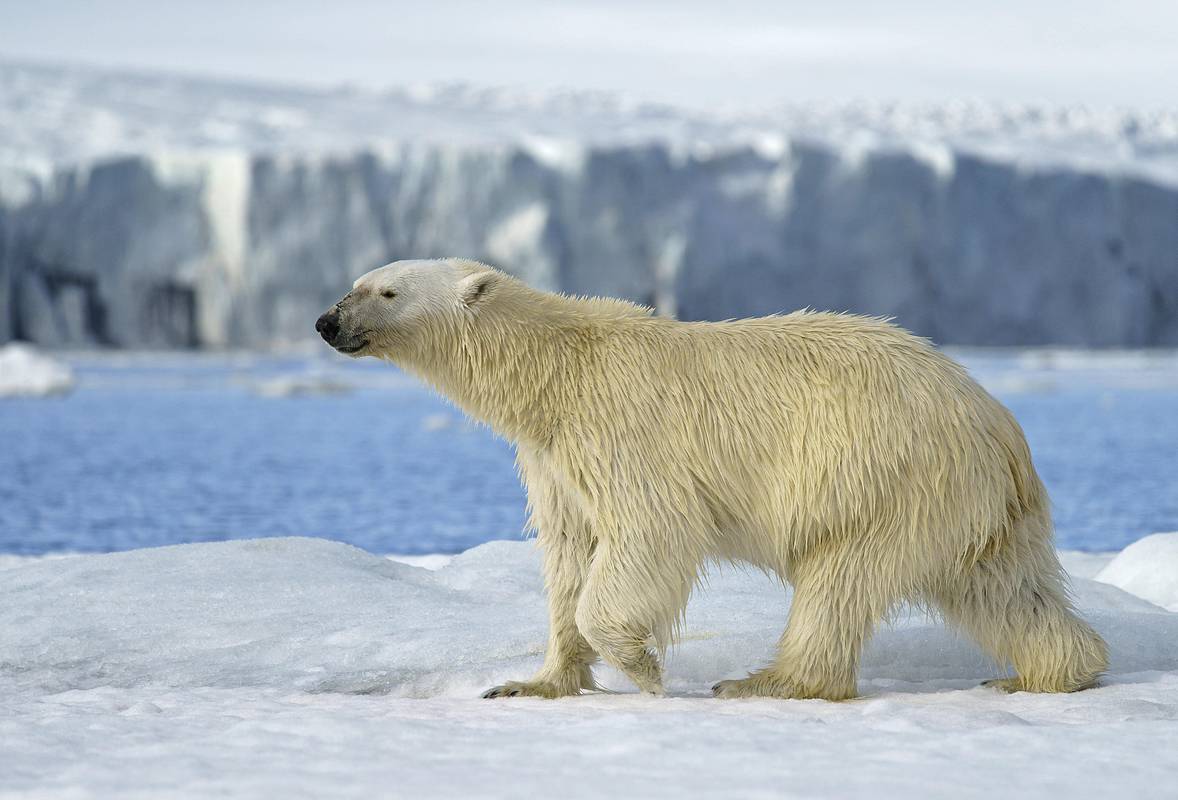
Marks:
<point>769,684</point>
<point>1008,685</point>
<point>1018,684</point>
<point>752,686</point>
<point>545,689</point>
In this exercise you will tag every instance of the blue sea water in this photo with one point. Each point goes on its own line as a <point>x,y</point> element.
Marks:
<point>156,450</point>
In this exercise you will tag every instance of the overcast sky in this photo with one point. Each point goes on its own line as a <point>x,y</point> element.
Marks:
<point>696,52</point>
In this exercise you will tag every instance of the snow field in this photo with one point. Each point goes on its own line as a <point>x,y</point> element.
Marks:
<point>304,667</point>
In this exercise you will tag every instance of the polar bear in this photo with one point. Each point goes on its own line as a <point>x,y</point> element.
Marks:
<point>840,452</point>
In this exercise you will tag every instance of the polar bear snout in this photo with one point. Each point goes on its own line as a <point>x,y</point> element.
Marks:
<point>327,326</point>
<point>339,335</point>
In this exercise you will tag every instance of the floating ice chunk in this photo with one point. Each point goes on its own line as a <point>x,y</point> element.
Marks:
<point>300,385</point>
<point>436,422</point>
<point>25,372</point>
<point>1147,568</point>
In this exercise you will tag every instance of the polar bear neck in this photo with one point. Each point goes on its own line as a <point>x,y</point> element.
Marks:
<point>514,362</point>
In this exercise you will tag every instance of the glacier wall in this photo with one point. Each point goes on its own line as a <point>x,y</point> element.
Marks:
<point>225,250</point>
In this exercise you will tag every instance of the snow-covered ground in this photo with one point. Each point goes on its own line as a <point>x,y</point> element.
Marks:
<point>308,668</point>
<point>1147,569</point>
<point>25,372</point>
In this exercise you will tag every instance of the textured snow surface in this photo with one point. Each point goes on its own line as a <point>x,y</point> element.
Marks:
<point>24,372</point>
<point>303,668</point>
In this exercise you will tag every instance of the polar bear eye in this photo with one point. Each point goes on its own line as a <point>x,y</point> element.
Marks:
<point>388,294</point>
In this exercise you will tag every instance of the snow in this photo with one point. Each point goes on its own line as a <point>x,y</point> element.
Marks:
<point>304,668</point>
<point>25,372</point>
<point>1084,565</point>
<point>433,561</point>
<point>62,115</point>
<point>1147,568</point>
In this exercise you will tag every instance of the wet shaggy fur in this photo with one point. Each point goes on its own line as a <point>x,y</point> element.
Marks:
<point>839,452</point>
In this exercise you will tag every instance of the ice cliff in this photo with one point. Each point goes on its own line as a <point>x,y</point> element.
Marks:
<point>231,216</point>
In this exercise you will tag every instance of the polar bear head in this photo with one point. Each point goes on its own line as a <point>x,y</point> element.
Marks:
<point>393,310</point>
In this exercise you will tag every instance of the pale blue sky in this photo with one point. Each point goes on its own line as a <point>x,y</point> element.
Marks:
<point>698,52</point>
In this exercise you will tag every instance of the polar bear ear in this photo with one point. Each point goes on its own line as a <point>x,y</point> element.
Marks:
<point>474,289</point>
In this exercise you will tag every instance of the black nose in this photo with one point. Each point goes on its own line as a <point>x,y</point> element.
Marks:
<point>328,326</point>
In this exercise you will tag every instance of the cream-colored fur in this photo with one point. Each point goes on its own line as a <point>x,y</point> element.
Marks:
<point>839,452</point>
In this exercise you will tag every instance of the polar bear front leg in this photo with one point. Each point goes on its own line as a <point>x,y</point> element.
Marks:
<point>569,658</point>
<point>633,594</point>
<point>622,639</point>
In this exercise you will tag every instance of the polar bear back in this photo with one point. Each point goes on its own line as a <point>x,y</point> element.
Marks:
<point>815,423</point>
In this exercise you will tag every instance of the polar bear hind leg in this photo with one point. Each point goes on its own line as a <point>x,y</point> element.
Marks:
<point>1013,602</point>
